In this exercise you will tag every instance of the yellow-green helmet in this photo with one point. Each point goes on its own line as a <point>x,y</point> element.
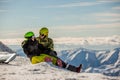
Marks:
<point>44,31</point>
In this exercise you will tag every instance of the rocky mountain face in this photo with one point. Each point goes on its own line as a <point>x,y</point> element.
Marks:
<point>94,61</point>
<point>4,48</point>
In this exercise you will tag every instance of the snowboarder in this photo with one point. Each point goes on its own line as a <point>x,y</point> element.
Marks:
<point>37,53</point>
<point>46,41</point>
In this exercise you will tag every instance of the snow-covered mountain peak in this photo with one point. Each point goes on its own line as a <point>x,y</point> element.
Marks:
<point>103,61</point>
<point>4,48</point>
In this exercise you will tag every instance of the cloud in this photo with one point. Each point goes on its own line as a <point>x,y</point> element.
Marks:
<point>4,1</point>
<point>80,4</point>
<point>89,26</point>
<point>75,4</point>
<point>107,25</point>
<point>107,17</point>
<point>116,8</point>
<point>4,5</point>
<point>109,20</point>
<point>107,14</point>
<point>3,11</point>
<point>109,1</point>
<point>33,17</point>
<point>16,41</point>
<point>112,40</point>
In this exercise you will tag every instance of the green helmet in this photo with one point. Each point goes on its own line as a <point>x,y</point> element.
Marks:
<point>44,31</point>
<point>29,34</point>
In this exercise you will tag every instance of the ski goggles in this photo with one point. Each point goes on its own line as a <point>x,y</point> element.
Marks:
<point>42,35</point>
<point>32,37</point>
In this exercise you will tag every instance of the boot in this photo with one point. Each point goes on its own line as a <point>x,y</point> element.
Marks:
<point>79,68</point>
<point>73,68</point>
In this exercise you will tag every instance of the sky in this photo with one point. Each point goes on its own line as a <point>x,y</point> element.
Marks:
<point>64,18</point>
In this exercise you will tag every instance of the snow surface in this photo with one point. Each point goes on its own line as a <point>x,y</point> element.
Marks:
<point>22,69</point>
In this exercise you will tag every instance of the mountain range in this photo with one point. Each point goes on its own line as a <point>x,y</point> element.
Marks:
<point>94,61</point>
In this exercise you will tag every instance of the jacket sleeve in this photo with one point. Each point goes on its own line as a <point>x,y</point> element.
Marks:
<point>23,43</point>
<point>24,46</point>
<point>51,44</point>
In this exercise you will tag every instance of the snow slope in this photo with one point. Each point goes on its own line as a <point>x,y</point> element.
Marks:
<point>22,69</point>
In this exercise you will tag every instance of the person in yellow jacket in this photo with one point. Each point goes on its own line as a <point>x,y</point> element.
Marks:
<point>46,41</point>
<point>37,53</point>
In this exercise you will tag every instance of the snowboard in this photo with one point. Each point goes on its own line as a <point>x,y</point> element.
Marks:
<point>7,58</point>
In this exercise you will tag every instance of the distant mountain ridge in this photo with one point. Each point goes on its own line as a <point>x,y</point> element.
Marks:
<point>4,48</point>
<point>95,61</point>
